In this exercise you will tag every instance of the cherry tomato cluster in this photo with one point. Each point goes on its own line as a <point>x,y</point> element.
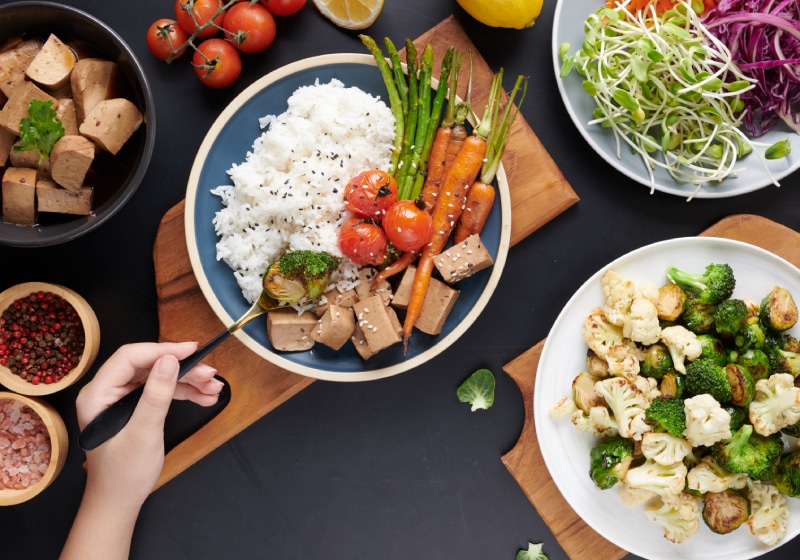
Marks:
<point>381,219</point>
<point>246,26</point>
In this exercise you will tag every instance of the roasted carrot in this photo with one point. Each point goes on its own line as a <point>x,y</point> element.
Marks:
<point>480,199</point>
<point>395,267</point>
<point>481,195</point>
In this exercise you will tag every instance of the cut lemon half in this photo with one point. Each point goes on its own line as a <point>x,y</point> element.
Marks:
<point>350,14</point>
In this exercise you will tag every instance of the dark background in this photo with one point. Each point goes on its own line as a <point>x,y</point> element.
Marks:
<point>396,468</point>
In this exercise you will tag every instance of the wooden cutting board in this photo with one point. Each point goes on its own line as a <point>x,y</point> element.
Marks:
<point>525,461</point>
<point>538,192</point>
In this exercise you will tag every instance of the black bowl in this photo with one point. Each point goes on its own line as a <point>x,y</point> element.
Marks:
<point>114,177</point>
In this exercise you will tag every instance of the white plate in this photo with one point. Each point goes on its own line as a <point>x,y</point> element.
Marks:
<point>566,450</point>
<point>568,27</point>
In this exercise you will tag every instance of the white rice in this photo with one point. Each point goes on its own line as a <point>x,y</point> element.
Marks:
<point>287,194</point>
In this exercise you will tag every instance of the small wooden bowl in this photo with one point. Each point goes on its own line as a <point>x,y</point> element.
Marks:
<point>91,328</point>
<point>58,449</point>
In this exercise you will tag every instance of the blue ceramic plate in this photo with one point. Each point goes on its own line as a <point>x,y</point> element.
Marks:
<point>227,142</point>
<point>568,28</point>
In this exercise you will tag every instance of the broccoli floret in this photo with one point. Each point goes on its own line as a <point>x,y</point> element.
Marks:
<point>713,348</point>
<point>729,316</point>
<point>749,453</point>
<point>609,461</point>
<point>657,361</point>
<point>787,475</point>
<point>713,286</point>
<point>704,376</point>
<point>299,275</point>
<point>697,316</point>
<point>778,311</point>
<point>667,415</point>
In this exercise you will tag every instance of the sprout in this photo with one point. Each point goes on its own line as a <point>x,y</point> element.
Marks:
<point>477,390</point>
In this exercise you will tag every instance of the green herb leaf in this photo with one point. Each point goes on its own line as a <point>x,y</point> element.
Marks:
<point>40,130</point>
<point>477,390</point>
<point>534,552</point>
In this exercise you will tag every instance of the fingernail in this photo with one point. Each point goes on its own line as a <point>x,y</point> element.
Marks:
<point>166,367</point>
<point>205,368</point>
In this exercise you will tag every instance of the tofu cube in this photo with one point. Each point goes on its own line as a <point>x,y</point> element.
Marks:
<point>360,343</point>
<point>463,259</point>
<point>290,332</point>
<point>52,198</point>
<point>334,296</point>
<point>363,289</point>
<point>110,123</point>
<point>6,142</point>
<point>335,327</point>
<point>374,320</point>
<point>439,301</point>
<point>16,108</point>
<point>29,158</point>
<point>19,196</point>
<point>65,110</point>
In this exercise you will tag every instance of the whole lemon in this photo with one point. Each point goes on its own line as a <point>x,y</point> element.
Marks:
<point>516,14</point>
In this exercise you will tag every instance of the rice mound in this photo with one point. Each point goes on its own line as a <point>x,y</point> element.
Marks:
<point>287,194</point>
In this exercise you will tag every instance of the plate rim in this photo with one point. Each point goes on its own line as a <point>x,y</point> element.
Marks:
<point>542,419</point>
<point>609,158</point>
<point>276,358</point>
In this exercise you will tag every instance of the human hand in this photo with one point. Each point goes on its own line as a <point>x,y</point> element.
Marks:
<point>125,468</point>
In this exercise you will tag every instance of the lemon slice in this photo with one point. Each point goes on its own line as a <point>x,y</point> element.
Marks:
<point>514,14</point>
<point>350,14</point>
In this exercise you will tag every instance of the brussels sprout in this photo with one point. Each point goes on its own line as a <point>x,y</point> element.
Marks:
<point>656,362</point>
<point>757,363</point>
<point>670,302</point>
<point>609,461</point>
<point>778,311</point>
<point>672,385</point>
<point>596,365</point>
<point>787,476</point>
<point>583,392</point>
<point>743,388</point>
<point>713,348</point>
<point>725,511</point>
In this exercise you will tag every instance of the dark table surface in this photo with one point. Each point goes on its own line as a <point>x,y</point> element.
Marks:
<point>396,468</point>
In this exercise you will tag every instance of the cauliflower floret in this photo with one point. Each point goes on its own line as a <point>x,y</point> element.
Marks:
<point>776,404</point>
<point>631,306</point>
<point>599,334</point>
<point>634,497</point>
<point>682,345</point>
<point>598,422</point>
<point>664,448</point>
<point>642,324</point>
<point>622,362</point>
<point>627,404</point>
<point>664,480</point>
<point>648,386</point>
<point>706,421</point>
<point>708,476</point>
<point>564,407</point>
<point>679,516</point>
<point>769,517</point>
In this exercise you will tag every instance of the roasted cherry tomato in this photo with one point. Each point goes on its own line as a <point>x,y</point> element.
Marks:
<point>203,12</point>
<point>407,226</point>
<point>284,7</point>
<point>370,193</point>
<point>249,27</point>
<point>363,241</point>
<point>165,38</point>
<point>222,63</point>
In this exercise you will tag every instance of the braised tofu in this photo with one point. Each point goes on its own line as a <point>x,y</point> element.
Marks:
<point>52,65</point>
<point>16,108</point>
<point>13,63</point>
<point>7,140</point>
<point>335,297</point>
<point>111,122</point>
<point>65,111</point>
<point>374,320</point>
<point>463,259</point>
<point>439,301</point>
<point>70,160</point>
<point>360,343</point>
<point>52,198</point>
<point>93,80</point>
<point>290,332</point>
<point>364,289</point>
<point>19,196</point>
<point>29,158</point>
<point>335,326</point>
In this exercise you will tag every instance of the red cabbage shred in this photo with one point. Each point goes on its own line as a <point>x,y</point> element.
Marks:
<point>764,39</point>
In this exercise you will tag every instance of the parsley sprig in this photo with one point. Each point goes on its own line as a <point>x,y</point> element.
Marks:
<point>40,130</point>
